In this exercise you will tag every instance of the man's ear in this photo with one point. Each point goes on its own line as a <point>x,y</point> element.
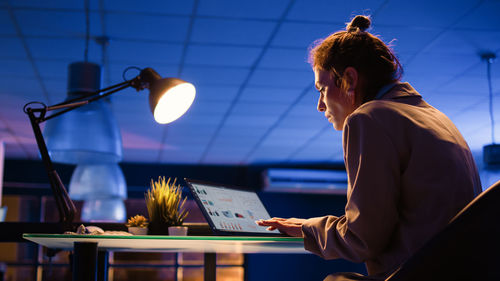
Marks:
<point>351,77</point>
<point>351,80</point>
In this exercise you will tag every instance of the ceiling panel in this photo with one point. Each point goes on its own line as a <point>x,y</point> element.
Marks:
<point>280,77</point>
<point>484,17</point>
<point>159,27</point>
<point>285,58</point>
<point>243,133</point>
<point>321,146</point>
<point>222,55</point>
<point>52,4</point>
<point>302,35</point>
<point>214,75</point>
<point>12,48</point>
<point>65,50</point>
<point>425,13</point>
<point>458,42</point>
<point>271,154</point>
<point>440,64</point>
<point>259,108</point>
<point>270,94</point>
<point>252,122</point>
<point>16,68</point>
<point>156,53</point>
<point>168,7</point>
<point>259,9</point>
<point>118,70</point>
<point>405,40</point>
<point>7,28</point>
<point>334,11</point>
<point>48,23</point>
<point>216,93</point>
<point>17,87</point>
<point>231,32</point>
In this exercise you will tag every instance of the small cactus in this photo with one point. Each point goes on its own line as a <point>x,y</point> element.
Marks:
<point>137,221</point>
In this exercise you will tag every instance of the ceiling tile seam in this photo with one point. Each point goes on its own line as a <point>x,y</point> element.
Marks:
<point>156,41</point>
<point>245,82</point>
<point>477,129</point>
<point>278,121</point>
<point>443,31</point>
<point>463,72</point>
<point>61,37</point>
<point>45,9</point>
<point>108,11</point>
<point>104,36</point>
<point>11,132</point>
<point>311,21</point>
<point>449,81</point>
<point>469,107</point>
<point>179,71</point>
<point>377,11</point>
<point>308,142</point>
<point>27,50</point>
<point>215,17</point>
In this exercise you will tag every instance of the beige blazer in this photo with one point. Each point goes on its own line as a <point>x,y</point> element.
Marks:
<point>409,172</point>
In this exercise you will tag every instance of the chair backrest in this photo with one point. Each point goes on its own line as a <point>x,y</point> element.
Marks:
<point>468,248</point>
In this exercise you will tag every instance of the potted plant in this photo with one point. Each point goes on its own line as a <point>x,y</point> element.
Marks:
<point>166,207</point>
<point>137,225</point>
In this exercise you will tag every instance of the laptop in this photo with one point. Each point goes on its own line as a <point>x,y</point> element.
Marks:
<point>230,211</point>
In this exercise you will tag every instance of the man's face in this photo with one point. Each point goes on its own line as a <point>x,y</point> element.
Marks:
<point>336,103</point>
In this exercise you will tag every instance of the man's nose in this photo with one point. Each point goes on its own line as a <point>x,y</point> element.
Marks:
<point>321,105</point>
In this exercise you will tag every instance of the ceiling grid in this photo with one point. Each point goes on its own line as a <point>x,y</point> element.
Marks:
<point>245,82</point>
<point>248,60</point>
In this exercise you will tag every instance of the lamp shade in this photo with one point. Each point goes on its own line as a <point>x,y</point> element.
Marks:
<point>104,210</point>
<point>170,98</point>
<point>90,133</point>
<point>91,182</point>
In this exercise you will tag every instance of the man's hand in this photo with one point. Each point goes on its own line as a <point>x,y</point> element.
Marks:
<point>291,226</point>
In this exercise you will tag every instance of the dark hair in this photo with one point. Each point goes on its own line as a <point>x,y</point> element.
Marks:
<point>357,48</point>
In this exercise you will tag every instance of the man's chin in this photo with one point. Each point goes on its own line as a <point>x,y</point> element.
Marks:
<point>337,126</point>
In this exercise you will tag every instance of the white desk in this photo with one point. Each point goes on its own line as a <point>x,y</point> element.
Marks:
<point>210,245</point>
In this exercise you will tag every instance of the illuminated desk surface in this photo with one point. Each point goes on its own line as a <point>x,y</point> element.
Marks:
<point>156,243</point>
<point>210,245</point>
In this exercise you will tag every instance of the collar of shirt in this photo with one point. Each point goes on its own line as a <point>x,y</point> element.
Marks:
<point>384,90</point>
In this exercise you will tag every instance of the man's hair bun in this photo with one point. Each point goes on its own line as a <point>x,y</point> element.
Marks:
<point>361,23</point>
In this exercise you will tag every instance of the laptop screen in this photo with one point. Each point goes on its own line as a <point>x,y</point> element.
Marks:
<point>229,210</point>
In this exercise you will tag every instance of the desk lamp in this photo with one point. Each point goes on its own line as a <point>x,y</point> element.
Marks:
<point>169,99</point>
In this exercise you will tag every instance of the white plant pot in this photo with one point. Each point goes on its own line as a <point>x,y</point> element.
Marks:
<point>177,230</point>
<point>138,230</point>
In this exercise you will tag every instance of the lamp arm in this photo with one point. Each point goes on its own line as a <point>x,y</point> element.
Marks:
<point>128,82</point>
<point>64,204</point>
<point>74,103</point>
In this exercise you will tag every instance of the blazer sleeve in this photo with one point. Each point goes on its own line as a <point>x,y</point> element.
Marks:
<point>371,213</point>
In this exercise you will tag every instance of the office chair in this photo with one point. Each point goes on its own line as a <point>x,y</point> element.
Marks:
<point>467,249</point>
